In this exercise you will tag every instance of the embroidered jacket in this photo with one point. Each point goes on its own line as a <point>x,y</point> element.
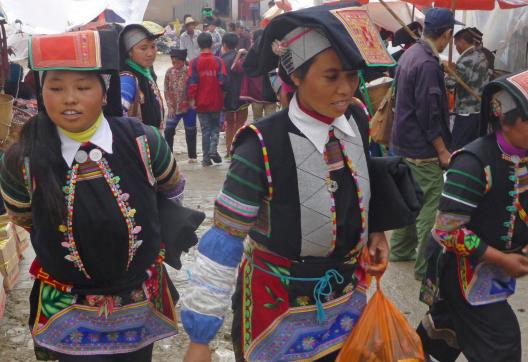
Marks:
<point>483,203</point>
<point>272,194</point>
<point>176,90</point>
<point>97,217</point>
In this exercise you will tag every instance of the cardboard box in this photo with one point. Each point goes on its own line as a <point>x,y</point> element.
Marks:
<point>21,237</point>
<point>11,279</point>
<point>8,256</point>
<point>3,299</point>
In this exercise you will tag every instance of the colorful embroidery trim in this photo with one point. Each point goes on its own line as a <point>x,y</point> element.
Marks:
<point>122,201</point>
<point>366,37</point>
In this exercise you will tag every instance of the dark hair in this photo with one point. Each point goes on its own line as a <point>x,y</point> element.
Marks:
<point>217,22</point>
<point>299,72</point>
<point>466,36</point>
<point>209,20</point>
<point>239,25</point>
<point>435,33</point>
<point>508,118</point>
<point>231,26</point>
<point>205,40</point>
<point>230,40</point>
<point>39,141</point>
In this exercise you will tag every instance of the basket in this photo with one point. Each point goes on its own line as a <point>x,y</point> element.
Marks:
<point>377,90</point>
<point>6,114</point>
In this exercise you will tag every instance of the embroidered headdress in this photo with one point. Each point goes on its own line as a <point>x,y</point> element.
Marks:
<point>503,96</point>
<point>297,36</point>
<point>87,50</point>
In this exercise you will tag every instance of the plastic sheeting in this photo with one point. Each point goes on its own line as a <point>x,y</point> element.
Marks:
<point>506,32</point>
<point>57,16</point>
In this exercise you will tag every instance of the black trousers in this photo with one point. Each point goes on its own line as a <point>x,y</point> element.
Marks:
<point>143,355</point>
<point>465,130</point>
<point>487,333</point>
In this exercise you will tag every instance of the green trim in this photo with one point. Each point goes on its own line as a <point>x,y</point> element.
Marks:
<point>138,68</point>
<point>245,182</point>
<point>158,139</point>
<point>247,202</point>
<point>464,187</point>
<point>471,177</point>
<point>247,163</point>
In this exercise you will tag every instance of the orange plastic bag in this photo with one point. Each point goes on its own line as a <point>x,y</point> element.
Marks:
<point>382,334</point>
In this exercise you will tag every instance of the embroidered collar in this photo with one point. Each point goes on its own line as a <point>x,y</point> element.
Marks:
<point>102,138</point>
<point>315,130</point>
<point>510,152</point>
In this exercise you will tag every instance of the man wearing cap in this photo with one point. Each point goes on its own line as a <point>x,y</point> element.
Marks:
<point>473,68</point>
<point>420,132</point>
<point>481,234</point>
<point>189,38</point>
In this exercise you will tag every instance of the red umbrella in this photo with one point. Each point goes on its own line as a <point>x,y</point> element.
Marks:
<point>471,4</point>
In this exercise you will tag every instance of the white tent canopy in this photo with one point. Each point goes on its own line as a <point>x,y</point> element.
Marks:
<point>57,16</point>
<point>506,32</point>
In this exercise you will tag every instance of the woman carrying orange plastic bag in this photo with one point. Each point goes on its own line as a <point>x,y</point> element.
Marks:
<point>382,334</point>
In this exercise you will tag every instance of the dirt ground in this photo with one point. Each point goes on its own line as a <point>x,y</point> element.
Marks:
<point>202,186</point>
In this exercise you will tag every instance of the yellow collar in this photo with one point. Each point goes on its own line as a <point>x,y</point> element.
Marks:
<point>86,135</point>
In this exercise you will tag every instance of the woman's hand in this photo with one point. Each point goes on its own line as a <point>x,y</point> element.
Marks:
<point>378,249</point>
<point>515,265</point>
<point>197,352</point>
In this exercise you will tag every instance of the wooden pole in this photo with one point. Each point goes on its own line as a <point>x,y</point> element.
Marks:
<point>448,70</point>
<point>453,9</point>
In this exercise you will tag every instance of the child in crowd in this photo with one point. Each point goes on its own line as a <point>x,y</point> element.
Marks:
<point>207,75</point>
<point>177,100</point>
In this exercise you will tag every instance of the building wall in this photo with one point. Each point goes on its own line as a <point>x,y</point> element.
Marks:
<point>164,11</point>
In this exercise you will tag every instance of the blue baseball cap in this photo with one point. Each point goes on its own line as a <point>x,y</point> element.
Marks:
<point>438,18</point>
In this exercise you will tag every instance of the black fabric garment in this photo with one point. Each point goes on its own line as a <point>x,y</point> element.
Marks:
<point>494,204</point>
<point>284,210</point>
<point>487,333</point>
<point>104,229</point>
<point>465,130</point>
<point>150,109</point>
<point>234,81</point>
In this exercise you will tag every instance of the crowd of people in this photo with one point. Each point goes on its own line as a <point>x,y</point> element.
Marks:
<point>299,223</point>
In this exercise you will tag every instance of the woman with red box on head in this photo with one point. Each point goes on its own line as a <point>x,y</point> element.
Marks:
<point>88,184</point>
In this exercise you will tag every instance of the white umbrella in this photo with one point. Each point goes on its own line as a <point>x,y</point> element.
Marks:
<point>381,17</point>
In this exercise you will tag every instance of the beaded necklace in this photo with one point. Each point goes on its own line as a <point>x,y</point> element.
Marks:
<point>122,201</point>
<point>359,193</point>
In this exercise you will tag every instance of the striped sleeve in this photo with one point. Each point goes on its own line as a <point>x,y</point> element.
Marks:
<point>213,275</point>
<point>128,91</point>
<point>16,196</point>
<point>164,167</point>
<point>465,186</point>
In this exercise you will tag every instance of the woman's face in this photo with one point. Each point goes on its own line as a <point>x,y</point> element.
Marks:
<point>517,134</point>
<point>144,53</point>
<point>327,89</point>
<point>73,100</point>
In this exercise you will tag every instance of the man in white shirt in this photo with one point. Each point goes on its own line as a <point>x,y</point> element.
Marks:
<point>189,39</point>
